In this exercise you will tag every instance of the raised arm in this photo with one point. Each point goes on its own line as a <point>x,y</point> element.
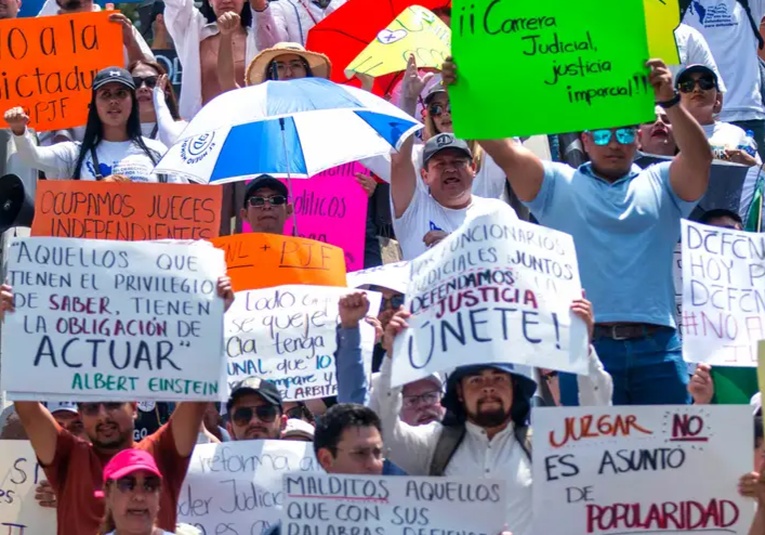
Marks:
<point>352,386</point>
<point>689,171</point>
<point>56,161</point>
<point>524,170</point>
<point>168,128</point>
<point>269,23</point>
<point>227,24</point>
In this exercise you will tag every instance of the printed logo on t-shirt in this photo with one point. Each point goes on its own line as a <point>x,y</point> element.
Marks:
<point>146,406</point>
<point>197,148</point>
<point>103,169</point>
<point>716,16</point>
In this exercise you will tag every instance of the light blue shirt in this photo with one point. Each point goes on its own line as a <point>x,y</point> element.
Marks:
<point>624,232</point>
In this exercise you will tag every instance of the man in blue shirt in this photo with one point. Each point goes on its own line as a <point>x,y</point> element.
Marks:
<point>625,222</point>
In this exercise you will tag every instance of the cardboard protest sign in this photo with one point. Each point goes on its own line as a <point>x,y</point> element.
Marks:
<point>128,211</point>
<point>414,31</point>
<point>256,260</point>
<point>99,320</point>
<point>49,64</point>
<point>324,504</point>
<point>661,18</point>
<point>330,207</point>
<point>723,312</point>
<point>671,469</point>
<point>498,289</point>
<point>20,513</point>
<point>236,487</point>
<point>288,335</point>
<point>583,67</point>
<point>393,276</point>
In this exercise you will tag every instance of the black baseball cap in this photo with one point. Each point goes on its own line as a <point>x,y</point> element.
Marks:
<point>264,181</point>
<point>255,385</point>
<point>442,142</point>
<point>684,74</point>
<point>113,75</point>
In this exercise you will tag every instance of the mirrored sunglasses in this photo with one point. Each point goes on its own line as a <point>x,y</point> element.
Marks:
<point>128,484</point>
<point>624,136</point>
<point>259,202</point>
<point>438,109</point>
<point>705,84</point>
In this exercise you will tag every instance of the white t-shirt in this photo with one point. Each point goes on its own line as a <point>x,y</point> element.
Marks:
<point>694,50</point>
<point>726,27</point>
<point>424,214</point>
<point>724,136</point>
<point>123,157</point>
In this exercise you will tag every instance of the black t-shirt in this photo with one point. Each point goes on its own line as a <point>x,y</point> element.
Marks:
<point>151,416</point>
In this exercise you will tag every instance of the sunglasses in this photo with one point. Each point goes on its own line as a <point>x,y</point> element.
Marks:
<point>439,109</point>
<point>265,413</point>
<point>705,84</point>
<point>298,413</point>
<point>92,409</point>
<point>624,136</point>
<point>396,301</point>
<point>260,202</point>
<point>150,81</point>
<point>128,484</point>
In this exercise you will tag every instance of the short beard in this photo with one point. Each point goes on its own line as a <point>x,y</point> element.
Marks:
<point>490,419</point>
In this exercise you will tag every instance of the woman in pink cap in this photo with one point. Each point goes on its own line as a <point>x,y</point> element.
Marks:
<point>132,484</point>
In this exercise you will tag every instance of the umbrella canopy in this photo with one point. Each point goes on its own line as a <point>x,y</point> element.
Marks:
<point>295,128</point>
<point>345,33</point>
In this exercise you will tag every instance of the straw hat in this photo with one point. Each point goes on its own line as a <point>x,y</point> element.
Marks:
<point>256,71</point>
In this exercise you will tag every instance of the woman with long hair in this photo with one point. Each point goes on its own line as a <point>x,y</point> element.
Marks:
<point>148,75</point>
<point>113,146</point>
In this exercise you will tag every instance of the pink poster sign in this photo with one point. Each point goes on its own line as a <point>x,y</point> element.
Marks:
<point>331,207</point>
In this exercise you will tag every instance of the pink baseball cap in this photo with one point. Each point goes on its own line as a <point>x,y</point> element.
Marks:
<point>125,463</point>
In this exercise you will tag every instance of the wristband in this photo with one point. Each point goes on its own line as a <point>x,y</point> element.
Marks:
<point>671,102</point>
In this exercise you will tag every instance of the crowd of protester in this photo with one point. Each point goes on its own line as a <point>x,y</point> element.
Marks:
<point>624,218</point>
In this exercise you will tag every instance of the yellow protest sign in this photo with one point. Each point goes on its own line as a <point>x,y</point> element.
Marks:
<point>414,31</point>
<point>661,19</point>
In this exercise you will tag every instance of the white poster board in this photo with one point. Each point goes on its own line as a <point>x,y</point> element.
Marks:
<point>392,505</point>
<point>723,312</point>
<point>650,469</point>
<point>496,290</point>
<point>236,487</point>
<point>20,513</point>
<point>288,335</point>
<point>394,276</point>
<point>105,320</point>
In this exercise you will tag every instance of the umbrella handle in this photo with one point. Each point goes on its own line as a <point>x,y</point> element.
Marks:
<point>289,177</point>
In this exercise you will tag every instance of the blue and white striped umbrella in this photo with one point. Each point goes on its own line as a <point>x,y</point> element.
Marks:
<point>296,128</point>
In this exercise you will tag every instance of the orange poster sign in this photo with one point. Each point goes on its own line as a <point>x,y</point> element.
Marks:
<point>128,211</point>
<point>257,260</point>
<point>48,65</point>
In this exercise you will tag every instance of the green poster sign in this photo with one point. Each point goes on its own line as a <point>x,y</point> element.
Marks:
<point>548,67</point>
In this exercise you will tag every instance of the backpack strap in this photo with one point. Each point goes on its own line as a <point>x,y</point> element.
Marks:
<point>523,436</point>
<point>448,442</point>
<point>753,23</point>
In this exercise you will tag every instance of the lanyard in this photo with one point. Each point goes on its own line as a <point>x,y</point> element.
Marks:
<point>308,10</point>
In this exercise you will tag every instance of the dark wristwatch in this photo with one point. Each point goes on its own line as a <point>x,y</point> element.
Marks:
<point>671,102</point>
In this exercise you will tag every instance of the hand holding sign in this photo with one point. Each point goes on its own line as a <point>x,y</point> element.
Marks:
<point>661,80</point>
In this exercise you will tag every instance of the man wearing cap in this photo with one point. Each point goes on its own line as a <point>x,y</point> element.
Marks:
<point>485,431</point>
<point>68,417</point>
<point>255,410</point>
<point>422,218</point>
<point>266,205</point>
<point>625,222</point>
<point>700,94</point>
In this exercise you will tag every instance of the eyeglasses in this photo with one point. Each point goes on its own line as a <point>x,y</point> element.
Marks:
<point>439,109</point>
<point>150,81</point>
<point>624,136</point>
<point>92,409</point>
<point>427,399</point>
<point>260,202</point>
<point>150,485</point>
<point>705,84</point>
<point>265,413</point>
<point>362,454</point>
<point>295,65</point>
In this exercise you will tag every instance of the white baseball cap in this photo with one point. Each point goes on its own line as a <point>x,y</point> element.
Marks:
<point>298,428</point>
<point>67,406</point>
